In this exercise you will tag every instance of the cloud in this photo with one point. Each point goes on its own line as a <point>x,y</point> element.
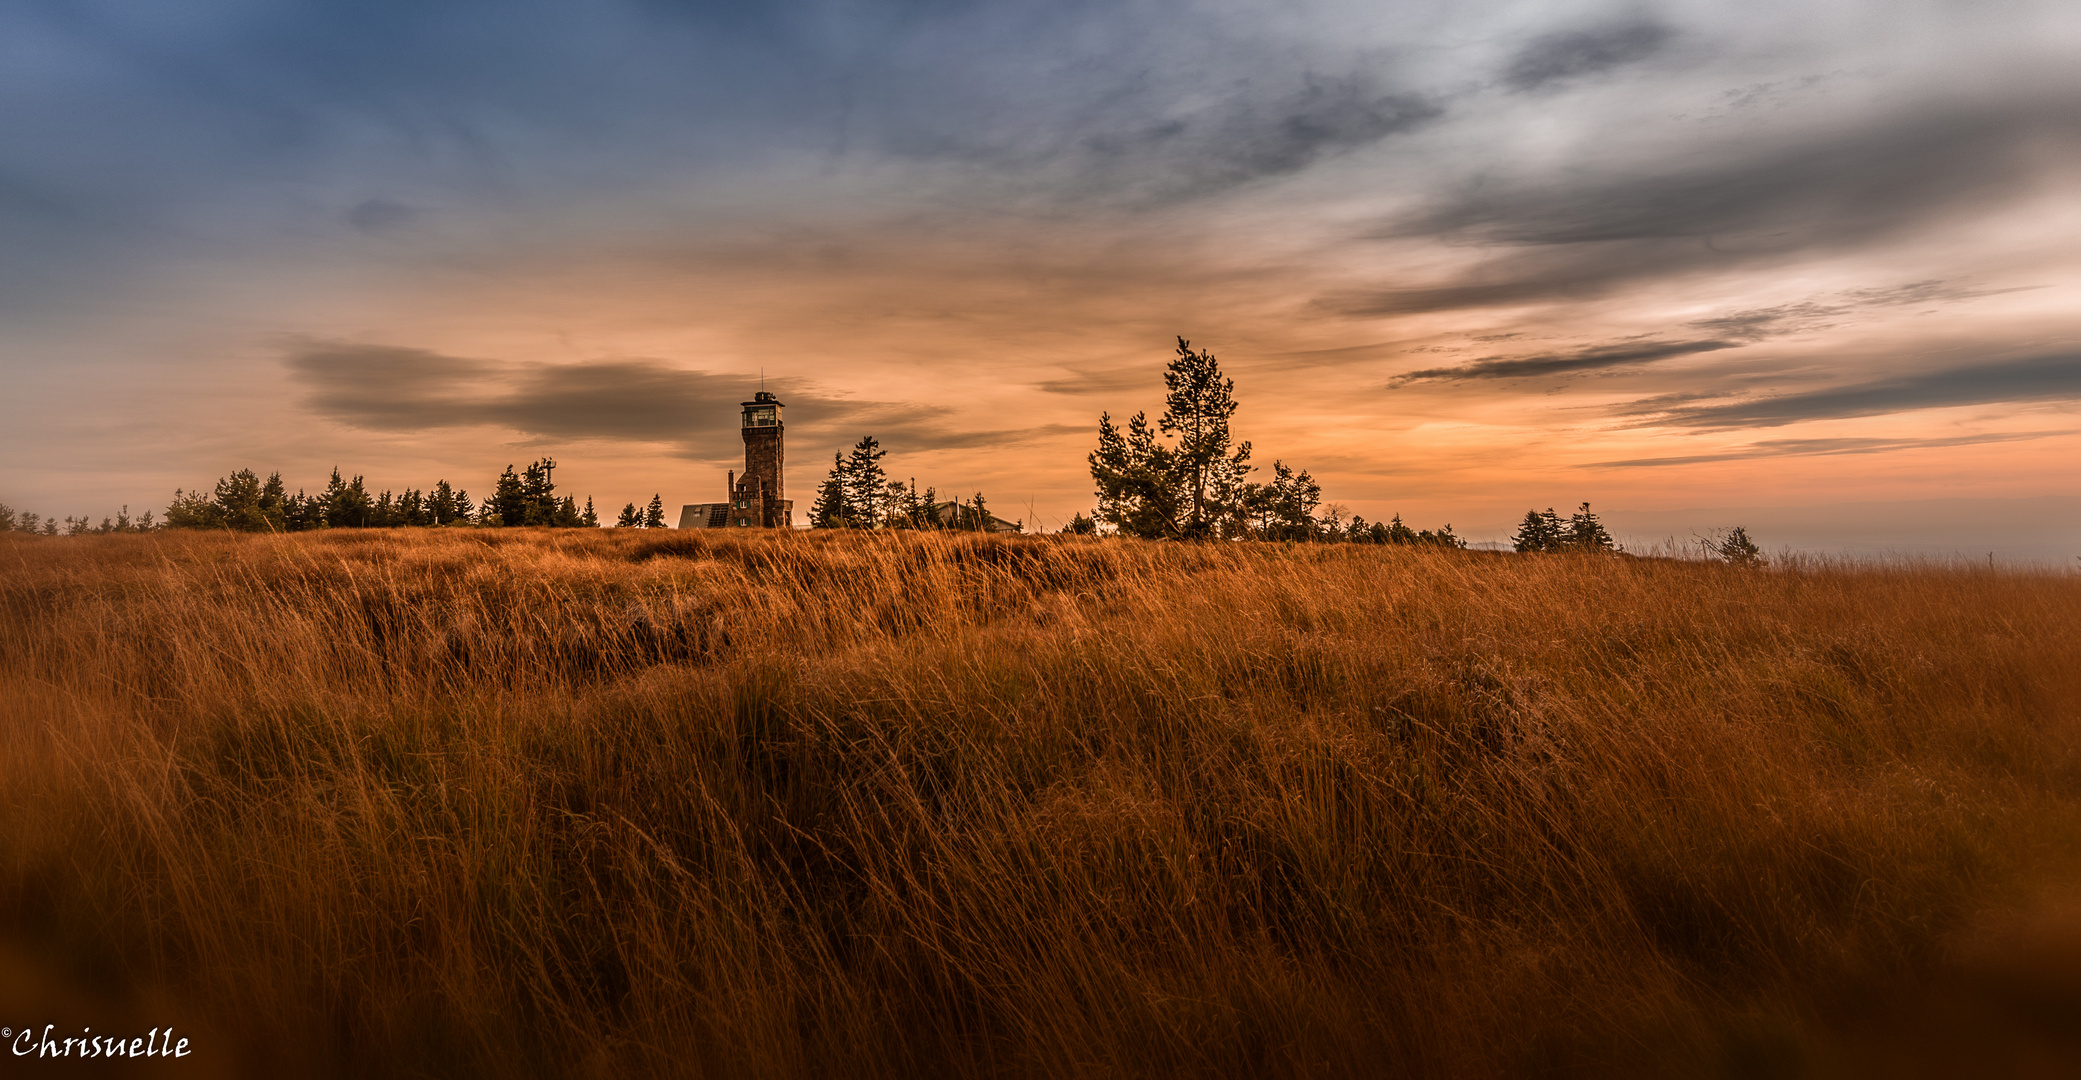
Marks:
<point>1559,57</point>
<point>390,388</point>
<point>1603,356</point>
<point>1756,324</point>
<point>381,215</point>
<point>1098,382</point>
<point>2055,377</point>
<point>1143,148</point>
<point>1753,203</point>
<point>1812,447</point>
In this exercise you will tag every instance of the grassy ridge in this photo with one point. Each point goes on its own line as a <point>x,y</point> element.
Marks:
<point>470,803</point>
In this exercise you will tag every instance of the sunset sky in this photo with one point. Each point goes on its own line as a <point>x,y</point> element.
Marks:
<point>1819,259</point>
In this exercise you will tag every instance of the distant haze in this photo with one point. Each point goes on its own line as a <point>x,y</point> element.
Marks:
<point>2039,532</point>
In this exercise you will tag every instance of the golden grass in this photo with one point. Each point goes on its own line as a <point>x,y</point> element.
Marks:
<point>513,803</point>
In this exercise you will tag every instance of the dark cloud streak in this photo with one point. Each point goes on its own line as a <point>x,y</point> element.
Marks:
<point>1823,447</point>
<point>2055,377</point>
<point>1560,57</point>
<point>1591,359</point>
<point>1757,203</point>
<point>388,388</point>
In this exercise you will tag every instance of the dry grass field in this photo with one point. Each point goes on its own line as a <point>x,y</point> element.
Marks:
<point>510,803</point>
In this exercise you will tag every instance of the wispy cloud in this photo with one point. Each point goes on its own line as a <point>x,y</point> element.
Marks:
<point>1811,447</point>
<point>2055,377</point>
<point>1572,54</point>
<point>1562,363</point>
<point>1752,203</point>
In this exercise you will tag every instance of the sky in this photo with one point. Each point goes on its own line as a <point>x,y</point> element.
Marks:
<point>1461,259</point>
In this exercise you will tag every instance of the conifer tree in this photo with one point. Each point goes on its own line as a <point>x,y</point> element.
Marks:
<point>1138,490</point>
<point>538,493</point>
<point>413,509</point>
<point>1736,547</point>
<point>1192,489</point>
<point>237,503</point>
<point>441,504</point>
<point>347,504</point>
<point>1196,410</point>
<point>631,518</point>
<point>1538,532</point>
<point>302,512</point>
<point>865,483</point>
<point>832,510</point>
<point>274,503</point>
<point>654,515</point>
<point>1292,498</point>
<point>589,519</point>
<point>1586,533</point>
<point>509,500</point>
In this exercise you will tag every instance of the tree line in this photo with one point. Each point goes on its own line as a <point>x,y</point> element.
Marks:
<point>1547,532</point>
<point>243,502</point>
<point>858,494</point>
<point>1185,478</point>
<point>12,520</point>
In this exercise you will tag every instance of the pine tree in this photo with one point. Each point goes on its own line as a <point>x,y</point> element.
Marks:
<point>654,515</point>
<point>1539,532</point>
<point>589,519</point>
<point>1192,489</point>
<point>568,515</point>
<point>347,504</point>
<point>1736,547</point>
<point>832,510</point>
<point>866,483</point>
<point>1292,498</point>
<point>441,504</point>
<point>274,503</point>
<point>304,512</point>
<point>1138,490</point>
<point>1586,533</point>
<point>237,503</point>
<point>1197,410</point>
<point>1442,538</point>
<point>413,510</point>
<point>631,518</point>
<point>509,501</point>
<point>538,493</point>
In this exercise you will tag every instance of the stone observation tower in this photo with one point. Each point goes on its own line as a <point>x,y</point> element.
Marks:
<point>759,498</point>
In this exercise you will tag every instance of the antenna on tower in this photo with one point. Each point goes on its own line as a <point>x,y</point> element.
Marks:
<point>762,379</point>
